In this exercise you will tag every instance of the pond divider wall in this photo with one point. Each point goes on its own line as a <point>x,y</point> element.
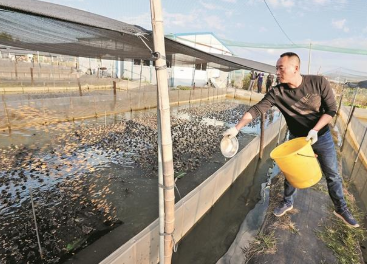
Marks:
<point>26,110</point>
<point>356,131</point>
<point>144,247</point>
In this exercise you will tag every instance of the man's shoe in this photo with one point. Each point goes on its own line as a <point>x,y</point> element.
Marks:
<point>347,217</point>
<point>282,209</point>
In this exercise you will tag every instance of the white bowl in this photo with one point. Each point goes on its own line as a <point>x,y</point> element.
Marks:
<point>229,146</point>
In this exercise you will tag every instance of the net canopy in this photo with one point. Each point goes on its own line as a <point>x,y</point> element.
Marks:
<point>47,27</point>
<point>345,75</point>
<point>319,47</point>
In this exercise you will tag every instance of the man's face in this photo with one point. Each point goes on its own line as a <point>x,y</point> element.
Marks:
<point>287,69</point>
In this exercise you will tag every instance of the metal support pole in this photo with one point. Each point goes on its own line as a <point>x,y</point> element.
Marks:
<point>309,59</point>
<point>346,128</point>
<point>359,150</point>
<point>35,223</point>
<point>280,128</point>
<point>262,135</point>
<point>114,95</point>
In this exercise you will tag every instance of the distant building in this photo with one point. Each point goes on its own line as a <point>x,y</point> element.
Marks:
<point>181,73</point>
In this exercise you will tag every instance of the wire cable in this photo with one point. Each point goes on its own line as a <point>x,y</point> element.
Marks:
<point>278,23</point>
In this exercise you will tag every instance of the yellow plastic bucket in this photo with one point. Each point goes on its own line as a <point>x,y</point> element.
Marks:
<point>297,161</point>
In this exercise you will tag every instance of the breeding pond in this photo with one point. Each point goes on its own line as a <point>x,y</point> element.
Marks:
<point>65,186</point>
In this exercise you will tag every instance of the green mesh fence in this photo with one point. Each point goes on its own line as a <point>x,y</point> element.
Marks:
<point>297,46</point>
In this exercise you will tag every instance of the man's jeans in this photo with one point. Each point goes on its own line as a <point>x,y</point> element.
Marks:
<point>325,150</point>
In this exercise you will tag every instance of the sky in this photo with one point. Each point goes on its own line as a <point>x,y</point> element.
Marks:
<point>338,23</point>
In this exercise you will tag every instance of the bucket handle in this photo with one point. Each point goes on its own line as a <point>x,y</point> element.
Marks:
<point>306,155</point>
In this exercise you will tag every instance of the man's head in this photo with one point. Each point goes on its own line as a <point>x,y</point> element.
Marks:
<point>288,67</point>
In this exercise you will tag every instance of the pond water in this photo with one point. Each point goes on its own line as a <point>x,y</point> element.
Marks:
<point>89,178</point>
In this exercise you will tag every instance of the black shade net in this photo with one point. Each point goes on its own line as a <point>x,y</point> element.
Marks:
<point>41,26</point>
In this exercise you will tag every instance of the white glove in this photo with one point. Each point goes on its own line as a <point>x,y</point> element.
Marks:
<point>231,133</point>
<point>312,135</point>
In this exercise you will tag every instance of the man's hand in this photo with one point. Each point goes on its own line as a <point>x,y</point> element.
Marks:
<point>312,135</point>
<point>231,133</point>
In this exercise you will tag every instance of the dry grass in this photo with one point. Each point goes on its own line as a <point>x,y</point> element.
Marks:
<point>265,241</point>
<point>321,187</point>
<point>263,244</point>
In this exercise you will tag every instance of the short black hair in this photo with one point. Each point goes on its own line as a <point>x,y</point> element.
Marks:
<point>290,55</point>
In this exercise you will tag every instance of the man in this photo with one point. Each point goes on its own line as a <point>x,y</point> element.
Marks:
<point>269,81</point>
<point>253,76</point>
<point>260,79</point>
<point>308,105</point>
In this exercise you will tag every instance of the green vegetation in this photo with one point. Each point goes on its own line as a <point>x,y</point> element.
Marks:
<point>348,95</point>
<point>6,36</point>
<point>74,244</point>
<point>358,105</point>
<point>179,175</point>
<point>184,87</point>
<point>246,82</point>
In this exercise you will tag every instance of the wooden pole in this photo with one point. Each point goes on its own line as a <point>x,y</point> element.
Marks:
<point>141,71</point>
<point>16,68</point>
<point>7,113</point>
<point>80,87</point>
<point>165,125</point>
<point>178,97</point>
<point>144,97</point>
<point>190,98</point>
<point>225,97</point>
<point>201,94</point>
<point>339,107</point>
<point>114,88</point>
<point>32,80</point>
